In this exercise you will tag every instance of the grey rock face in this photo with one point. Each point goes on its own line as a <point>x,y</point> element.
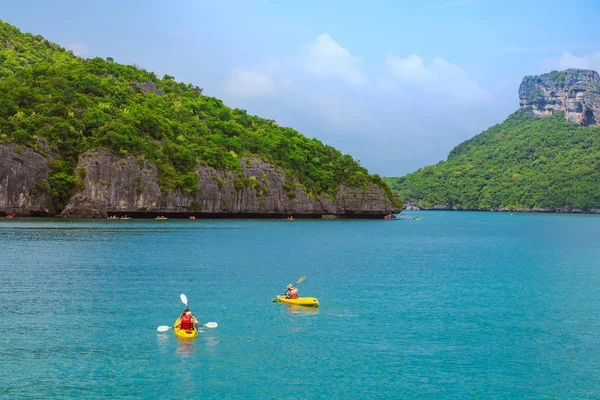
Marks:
<point>129,185</point>
<point>576,92</point>
<point>146,87</point>
<point>113,184</point>
<point>81,206</point>
<point>24,188</point>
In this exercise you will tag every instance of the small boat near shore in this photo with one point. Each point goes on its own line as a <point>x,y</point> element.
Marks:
<point>161,218</point>
<point>390,217</point>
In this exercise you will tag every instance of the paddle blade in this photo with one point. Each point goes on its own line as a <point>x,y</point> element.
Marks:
<point>211,324</point>
<point>183,299</point>
<point>300,280</point>
<point>163,328</point>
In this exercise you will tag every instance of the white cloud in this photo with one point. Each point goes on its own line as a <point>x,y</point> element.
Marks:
<point>440,76</point>
<point>325,58</point>
<point>409,68</point>
<point>591,61</point>
<point>79,48</point>
<point>313,65</point>
<point>322,90</point>
<point>249,83</point>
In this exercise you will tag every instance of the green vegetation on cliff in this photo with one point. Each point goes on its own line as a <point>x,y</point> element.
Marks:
<point>57,103</point>
<point>521,163</point>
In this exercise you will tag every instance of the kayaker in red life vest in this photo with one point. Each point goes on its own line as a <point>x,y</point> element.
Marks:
<point>187,321</point>
<point>292,292</point>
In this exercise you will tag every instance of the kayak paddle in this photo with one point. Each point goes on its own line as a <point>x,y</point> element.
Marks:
<point>183,297</point>
<point>299,280</point>
<point>164,328</point>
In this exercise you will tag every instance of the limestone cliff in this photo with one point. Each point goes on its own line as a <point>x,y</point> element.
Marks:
<point>576,92</point>
<point>24,188</point>
<point>112,184</point>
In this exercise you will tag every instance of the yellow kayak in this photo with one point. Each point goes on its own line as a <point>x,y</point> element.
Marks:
<point>300,301</point>
<point>183,333</point>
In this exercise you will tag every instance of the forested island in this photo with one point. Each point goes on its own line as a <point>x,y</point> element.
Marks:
<point>91,137</point>
<point>544,157</point>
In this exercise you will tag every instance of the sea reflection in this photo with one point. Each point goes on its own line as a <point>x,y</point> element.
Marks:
<point>186,347</point>
<point>211,341</point>
<point>302,310</point>
<point>162,339</point>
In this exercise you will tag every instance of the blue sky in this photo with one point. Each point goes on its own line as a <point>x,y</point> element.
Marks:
<point>397,84</point>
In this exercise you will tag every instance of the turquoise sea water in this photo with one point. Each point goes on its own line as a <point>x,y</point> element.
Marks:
<point>456,305</point>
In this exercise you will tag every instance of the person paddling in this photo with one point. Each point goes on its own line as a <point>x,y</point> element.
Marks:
<point>291,292</point>
<point>187,321</point>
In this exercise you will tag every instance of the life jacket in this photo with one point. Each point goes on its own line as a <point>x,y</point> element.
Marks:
<point>293,293</point>
<point>186,323</point>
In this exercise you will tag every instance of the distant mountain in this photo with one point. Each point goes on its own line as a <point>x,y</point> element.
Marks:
<point>92,137</point>
<point>544,157</point>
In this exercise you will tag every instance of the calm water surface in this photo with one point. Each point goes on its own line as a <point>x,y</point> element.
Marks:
<point>456,305</point>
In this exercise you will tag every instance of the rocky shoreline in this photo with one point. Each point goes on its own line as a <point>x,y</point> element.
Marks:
<point>558,210</point>
<point>107,184</point>
<point>169,216</point>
